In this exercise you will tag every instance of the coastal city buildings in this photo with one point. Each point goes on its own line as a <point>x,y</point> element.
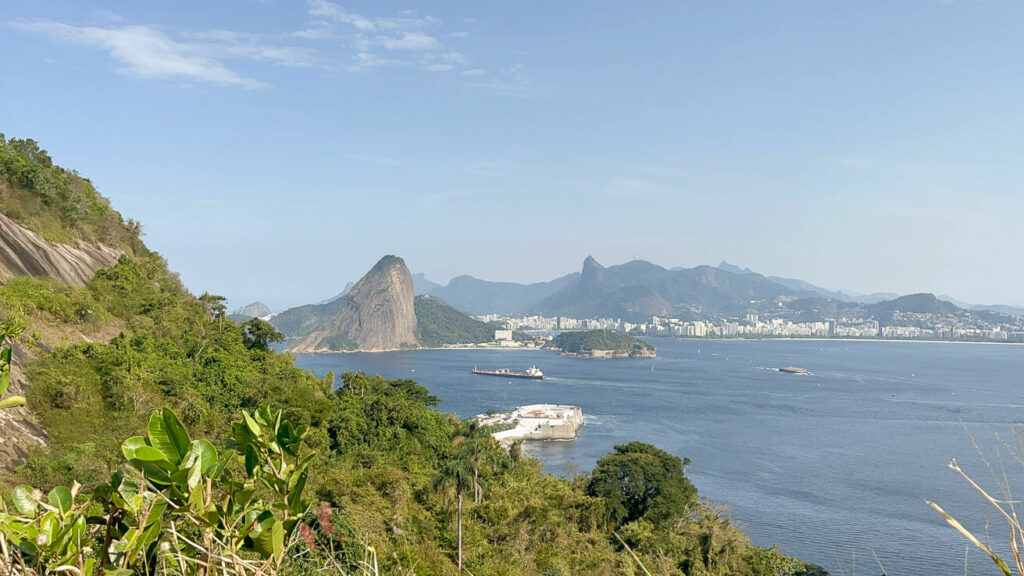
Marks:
<point>918,327</point>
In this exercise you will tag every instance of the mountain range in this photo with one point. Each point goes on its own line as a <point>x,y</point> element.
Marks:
<point>637,290</point>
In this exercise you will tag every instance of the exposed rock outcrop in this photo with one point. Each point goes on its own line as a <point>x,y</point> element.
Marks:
<point>254,310</point>
<point>379,314</point>
<point>19,432</point>
<point>26,253</point>
<point>23,252</point>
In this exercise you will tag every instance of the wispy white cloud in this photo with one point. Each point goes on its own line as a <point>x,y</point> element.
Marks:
<point>325,9</point>
<point>144,52</point>
<point>228,44</point>
<point>333,38</point>
<point>406,20</point>
<point>315,30</point>
<point>370,60</point>
<point>409,41</point>
<point>408,38</point>
<point>515,81</point>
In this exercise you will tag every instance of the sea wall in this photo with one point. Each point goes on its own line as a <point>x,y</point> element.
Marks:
<point>537,422</point>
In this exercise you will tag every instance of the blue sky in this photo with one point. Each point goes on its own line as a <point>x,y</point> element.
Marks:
<point>275,149</point>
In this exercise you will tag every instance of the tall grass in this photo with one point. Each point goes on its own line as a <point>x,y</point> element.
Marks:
<point>1005,506</point>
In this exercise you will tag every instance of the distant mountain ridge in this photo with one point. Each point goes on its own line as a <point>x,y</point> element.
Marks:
<point>802,286</point>
<point>637,290</point>
<point>479,297</point>
<point>254,310</point>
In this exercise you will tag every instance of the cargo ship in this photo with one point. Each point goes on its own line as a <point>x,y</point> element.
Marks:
<point>532,373</point>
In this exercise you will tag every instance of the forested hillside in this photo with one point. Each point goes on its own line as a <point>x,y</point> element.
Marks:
<point>57,203</point>
<point>198,449</point>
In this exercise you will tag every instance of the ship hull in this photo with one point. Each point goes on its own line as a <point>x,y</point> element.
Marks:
<point>521,375</point>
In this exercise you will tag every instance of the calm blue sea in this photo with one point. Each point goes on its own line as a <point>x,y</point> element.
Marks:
<point>835,467</point>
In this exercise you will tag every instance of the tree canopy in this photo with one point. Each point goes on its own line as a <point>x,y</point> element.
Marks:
<point>641,481</point>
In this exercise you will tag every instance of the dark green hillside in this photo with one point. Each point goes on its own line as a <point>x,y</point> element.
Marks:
<point>914,304</point>
<point>301,320</point>
<point>577,342</point>
<point>438,324</point>
<point>56,203</point>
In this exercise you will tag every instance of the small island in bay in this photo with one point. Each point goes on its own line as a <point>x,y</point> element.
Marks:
<point>601,344</point>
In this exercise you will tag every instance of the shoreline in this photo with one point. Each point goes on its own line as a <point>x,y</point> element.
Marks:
<point>783,339</point>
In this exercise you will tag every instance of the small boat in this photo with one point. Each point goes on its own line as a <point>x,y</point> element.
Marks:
<point>532,373</point>
<point>794,370</point>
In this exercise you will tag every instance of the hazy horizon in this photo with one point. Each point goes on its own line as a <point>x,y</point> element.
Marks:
<point>274,151</point>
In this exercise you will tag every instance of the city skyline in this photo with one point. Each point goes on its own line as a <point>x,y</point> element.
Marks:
<point>274,151</point>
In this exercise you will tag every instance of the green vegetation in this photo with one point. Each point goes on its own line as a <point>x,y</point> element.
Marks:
<point>140,475</point>
<point>340,343</point>
<point>179,506</point>
<point>8,330</point>
<point>438,324</point>
<point>639,481</point>
<point>57,203</point>
<point>300,321</point>
<point>590,340</point>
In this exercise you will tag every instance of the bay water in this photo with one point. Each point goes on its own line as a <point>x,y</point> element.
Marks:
<point>834,467</point>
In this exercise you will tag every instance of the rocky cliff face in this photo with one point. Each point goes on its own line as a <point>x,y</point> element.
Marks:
<point>254,310</point>
<point>379,313</point>
<point>23,252</point>
<point>19,432</point>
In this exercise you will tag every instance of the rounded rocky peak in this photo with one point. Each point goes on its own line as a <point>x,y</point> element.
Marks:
<point>388,262</point>
<point>593,273</point>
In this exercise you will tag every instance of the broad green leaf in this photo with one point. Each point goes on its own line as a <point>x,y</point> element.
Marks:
<point>262,534</point>
<point>151,454</point>
<point>251,424</point>
<point>12,401</point>
<point>160,438</point>
<point>23,501</point>
<point>49,527</point>
<point>129,446</point>
<point>5,370</point>
<point>149,536</point>
<point>60,498</point>
<point>195,474</point>
<point>177,432</point>
<point>222,463</point>
<point>285,437</point>
<point>195,500</point>
<point>156,512</point>
<point>295,503</point>
<point>277,539</point>
<point>204,452</point>
<point>251,460</point>
<point>154,472</point>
